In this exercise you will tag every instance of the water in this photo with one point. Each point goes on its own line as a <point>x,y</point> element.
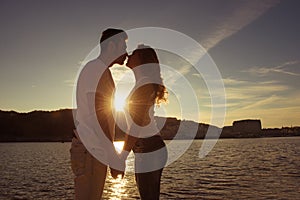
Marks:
<point>266,168</point>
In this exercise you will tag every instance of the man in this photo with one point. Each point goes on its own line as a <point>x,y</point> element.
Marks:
<point>92,147</point>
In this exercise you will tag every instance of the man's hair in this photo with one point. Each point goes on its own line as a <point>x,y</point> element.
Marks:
<point>108,34</point>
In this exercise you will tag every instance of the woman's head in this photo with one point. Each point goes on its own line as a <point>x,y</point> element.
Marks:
<point>144,59</point>
<point>142,55</point>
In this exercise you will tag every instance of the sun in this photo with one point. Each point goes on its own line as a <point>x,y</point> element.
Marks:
<point>119,101</point>
<point>119,104</point>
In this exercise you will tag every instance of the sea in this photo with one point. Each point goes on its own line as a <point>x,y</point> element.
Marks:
<point>261,168</point>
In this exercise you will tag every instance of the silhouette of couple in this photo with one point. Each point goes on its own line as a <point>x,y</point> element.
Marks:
<point>92,149</point>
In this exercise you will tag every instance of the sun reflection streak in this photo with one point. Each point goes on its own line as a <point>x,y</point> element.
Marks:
<point>118,188</point>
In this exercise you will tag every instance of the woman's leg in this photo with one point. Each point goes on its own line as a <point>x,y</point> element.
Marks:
<point>150,154</point>
<point>149,184</point>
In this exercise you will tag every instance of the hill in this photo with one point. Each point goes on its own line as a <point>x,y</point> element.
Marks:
<point>36,126</point>
<point>53,126</point>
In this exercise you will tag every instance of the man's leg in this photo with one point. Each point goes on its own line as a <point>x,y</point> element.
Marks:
<point>97,178</point>
<point>89,173</point>
<point>79,164</point>
<point>149,184</point>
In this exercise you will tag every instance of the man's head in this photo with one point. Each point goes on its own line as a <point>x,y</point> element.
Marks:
<point>113,44</point>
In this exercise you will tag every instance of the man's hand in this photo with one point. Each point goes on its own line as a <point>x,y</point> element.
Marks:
<point>115,173</point>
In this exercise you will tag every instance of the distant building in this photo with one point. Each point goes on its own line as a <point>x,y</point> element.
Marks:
<point>247,126</point>
<point>227,132</point>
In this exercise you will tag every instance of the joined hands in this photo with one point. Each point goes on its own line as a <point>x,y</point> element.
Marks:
<point>121,162</point>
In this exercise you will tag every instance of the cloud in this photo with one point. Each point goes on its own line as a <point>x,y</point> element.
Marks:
<point>270,101</point>
<point>282,68</point>
<point>70,83</point>
<point>231,81</point>
<point>244,95</point>
<point>263,102</point>
<point>207,23</point>
<point>242,14</point>
<point>233,19</point>
<point>184,69</point>
<point>251,91</point>
<point>237,82</point>
<point>284,111</point>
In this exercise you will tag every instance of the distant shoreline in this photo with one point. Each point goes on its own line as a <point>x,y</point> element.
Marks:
<point>57,126</point>
<point>69,141</point>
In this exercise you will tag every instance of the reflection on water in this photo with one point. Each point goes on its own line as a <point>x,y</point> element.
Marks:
<point>235,169</point>
<point>117,185</point>
<point>118,188</point>
<point>121,188</point>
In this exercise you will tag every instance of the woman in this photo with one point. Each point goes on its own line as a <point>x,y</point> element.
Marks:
<point>143,136</point>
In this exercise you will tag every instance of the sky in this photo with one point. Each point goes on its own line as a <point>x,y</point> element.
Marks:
<point>254,44</point>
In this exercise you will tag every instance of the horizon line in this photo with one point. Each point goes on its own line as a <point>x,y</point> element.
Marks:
<point>60,109</point>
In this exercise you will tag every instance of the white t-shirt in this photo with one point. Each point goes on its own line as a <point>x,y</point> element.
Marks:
<point>88,116</point>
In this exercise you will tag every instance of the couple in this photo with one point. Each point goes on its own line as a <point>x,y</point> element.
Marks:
<point>94,93</point>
